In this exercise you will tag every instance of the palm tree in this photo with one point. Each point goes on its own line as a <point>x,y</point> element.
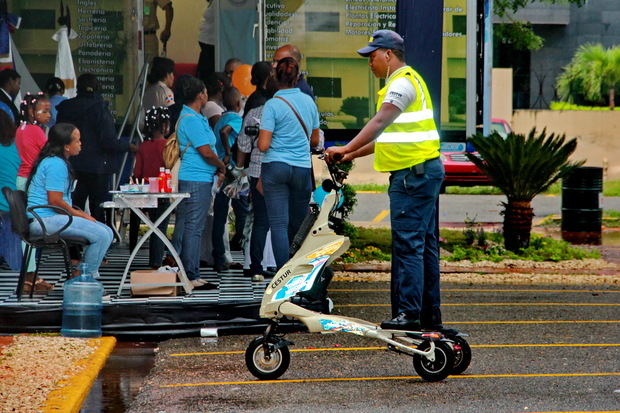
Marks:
<point>522,167</point>
<point>593,73</point>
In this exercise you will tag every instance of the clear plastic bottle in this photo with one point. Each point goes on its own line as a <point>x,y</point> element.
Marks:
<point>82,306</point>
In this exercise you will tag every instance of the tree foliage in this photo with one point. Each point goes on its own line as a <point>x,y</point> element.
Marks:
<point>503,7</point>
<point>592,76</point>
<point>518,33</point>
<point>356,106</point>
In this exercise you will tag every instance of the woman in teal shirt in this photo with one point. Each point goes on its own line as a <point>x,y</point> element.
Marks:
<point>50,183</point>
<point>199,166</point>
<point>286,166</point>
<point>10,248</point>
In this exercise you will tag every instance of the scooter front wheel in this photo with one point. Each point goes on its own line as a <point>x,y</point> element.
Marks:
<point>438,369</point>
<point>267,362</point>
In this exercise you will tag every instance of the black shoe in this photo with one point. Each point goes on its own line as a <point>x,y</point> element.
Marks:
<point>263,273</point>
<point>221,268</point>
<point>204,285</point>
<point>402,322</point>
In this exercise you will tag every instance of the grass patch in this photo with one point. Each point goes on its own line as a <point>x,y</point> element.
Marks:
<point>559,105</point>
<point>611,188</point>
<point>555,189</point>
<point>474,244</point>
<point>489,247</point>
<point>368,244</point>
<point>611,219</point>
<point>371,187</point>
<point>380,238</point>
<point>610,213</point>
<point>473,190</point>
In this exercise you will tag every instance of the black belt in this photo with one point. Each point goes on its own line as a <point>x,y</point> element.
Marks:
<point>150,31</point>
<point>419,168</point>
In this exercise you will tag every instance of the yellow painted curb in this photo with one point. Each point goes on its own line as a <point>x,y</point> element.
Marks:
<point>71,395</point>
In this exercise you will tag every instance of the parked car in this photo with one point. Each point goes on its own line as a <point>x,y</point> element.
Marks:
<point>460,171</point>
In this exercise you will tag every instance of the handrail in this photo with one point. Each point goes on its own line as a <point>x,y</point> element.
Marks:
<point>141,84</point>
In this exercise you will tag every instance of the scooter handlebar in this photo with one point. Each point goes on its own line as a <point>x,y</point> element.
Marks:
<point>337,157</point>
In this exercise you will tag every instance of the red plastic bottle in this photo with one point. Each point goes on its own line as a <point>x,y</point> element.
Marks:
<point>162,179</point>
<point>169,181</point>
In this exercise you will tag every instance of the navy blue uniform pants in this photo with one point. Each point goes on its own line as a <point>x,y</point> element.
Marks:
<point>415,245</point>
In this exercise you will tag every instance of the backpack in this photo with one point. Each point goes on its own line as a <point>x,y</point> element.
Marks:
<point>172,152</point>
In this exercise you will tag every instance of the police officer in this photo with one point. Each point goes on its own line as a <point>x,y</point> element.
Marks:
<point>404,139</point>
<point>151,25</point>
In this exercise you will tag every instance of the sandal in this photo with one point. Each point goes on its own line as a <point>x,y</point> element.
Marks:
<point>39,285</point>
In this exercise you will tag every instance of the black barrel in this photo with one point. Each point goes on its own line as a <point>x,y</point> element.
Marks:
<point>582,212</point>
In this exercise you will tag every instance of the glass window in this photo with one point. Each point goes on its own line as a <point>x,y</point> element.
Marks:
<point>326,86</point>
<point>322,21</point>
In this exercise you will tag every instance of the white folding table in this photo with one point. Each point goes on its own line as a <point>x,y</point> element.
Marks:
<point>137,200</point>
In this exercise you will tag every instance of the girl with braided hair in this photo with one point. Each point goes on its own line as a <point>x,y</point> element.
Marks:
<point>35,110</point>
<point>148,161</point>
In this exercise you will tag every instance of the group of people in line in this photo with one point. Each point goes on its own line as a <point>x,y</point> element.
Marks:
<point>68,157</point>
<point>269,141</point>
<point>265,137</point>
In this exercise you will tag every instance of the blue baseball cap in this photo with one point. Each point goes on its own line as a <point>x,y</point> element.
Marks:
<point>383,39</point>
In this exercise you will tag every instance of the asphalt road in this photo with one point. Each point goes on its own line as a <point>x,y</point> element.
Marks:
<point>374,208</point>
<point>535,349</point>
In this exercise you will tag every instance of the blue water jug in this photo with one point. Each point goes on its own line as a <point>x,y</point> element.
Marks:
<point>81,306</point>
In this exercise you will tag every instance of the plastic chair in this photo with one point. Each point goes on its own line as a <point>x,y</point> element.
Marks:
<point>21,223</point>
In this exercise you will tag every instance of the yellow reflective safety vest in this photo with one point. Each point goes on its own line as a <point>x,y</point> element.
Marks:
<point>412,138</point>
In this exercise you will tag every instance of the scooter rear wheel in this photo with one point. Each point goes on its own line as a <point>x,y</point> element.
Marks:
<point>438,369</point>
<point>462,354</point>
<point>267,365</point>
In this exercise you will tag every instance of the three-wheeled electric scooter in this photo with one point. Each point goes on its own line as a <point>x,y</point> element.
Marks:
<point>298,291</point>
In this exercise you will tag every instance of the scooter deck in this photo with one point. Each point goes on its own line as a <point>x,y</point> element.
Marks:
<point>420,335</point>
<point>446,332</point>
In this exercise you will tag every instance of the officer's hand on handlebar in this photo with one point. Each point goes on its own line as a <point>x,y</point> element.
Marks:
<point>335,154</point>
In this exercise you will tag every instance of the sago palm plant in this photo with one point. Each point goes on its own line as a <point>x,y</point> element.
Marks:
<point>522,167</point>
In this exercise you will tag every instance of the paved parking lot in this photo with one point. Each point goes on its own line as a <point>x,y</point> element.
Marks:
<point>535,349</point>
